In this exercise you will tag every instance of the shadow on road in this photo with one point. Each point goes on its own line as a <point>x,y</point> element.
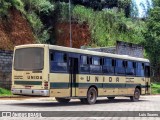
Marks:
<point>72,103</point>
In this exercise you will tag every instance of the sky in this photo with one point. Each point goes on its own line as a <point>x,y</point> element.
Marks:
<point>141,10</point>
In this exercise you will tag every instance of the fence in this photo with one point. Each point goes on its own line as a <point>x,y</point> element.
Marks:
<point>5,68</point>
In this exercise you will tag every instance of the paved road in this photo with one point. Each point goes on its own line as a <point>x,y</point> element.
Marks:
<point>146,103</point>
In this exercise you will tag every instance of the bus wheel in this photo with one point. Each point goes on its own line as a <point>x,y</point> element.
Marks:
<point>136,96</point>
<point>91,96</point>
<point>62,100</point>
<point>111,98</point>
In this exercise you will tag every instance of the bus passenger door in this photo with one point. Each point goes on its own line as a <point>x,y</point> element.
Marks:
<point>73,66</point>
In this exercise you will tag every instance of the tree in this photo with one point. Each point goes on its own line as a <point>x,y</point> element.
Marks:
<point>152,37</point>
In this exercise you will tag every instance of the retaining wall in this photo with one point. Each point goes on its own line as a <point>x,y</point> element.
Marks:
<point>5,68</point>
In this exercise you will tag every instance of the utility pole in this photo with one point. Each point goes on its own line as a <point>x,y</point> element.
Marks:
<point>70,27</point>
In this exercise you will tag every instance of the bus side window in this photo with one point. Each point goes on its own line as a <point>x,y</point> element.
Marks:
<point>108,66</point>
<point>130,69</point>
<point>58,62</point>
<point>140,69</point>
<point>120,67</point>
<point>84,64</point>
<point>95,66</point>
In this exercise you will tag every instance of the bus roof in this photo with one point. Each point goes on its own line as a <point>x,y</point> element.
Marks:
<point>82,51</point>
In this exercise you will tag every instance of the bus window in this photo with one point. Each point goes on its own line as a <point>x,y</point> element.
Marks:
<point>29,59</point>
<point>108,66</point>
<point>130,69</point>
<point>95,66</point>
<point>84,64</point>
<point>58,62</point>
<point>120,67</point>
<point>140,69</point>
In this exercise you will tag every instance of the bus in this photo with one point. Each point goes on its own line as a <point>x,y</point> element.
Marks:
<point>69,73</point>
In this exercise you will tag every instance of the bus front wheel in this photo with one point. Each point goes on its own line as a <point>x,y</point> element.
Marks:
<point>62,100</point>
<point>136,96</point>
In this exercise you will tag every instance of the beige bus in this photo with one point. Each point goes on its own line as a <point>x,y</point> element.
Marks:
<point>68,73</point>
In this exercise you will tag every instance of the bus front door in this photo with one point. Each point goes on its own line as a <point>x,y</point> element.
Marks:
<point>147,79</point>
<point>73,72</point>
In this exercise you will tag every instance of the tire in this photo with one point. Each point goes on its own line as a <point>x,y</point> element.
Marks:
<point>62,100</point>
<point>136,96</point>
<point>111,98</point>
<point>91,96</point>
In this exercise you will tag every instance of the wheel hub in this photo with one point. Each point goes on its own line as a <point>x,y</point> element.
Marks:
<point>136,95</point>
<point>91,96</point>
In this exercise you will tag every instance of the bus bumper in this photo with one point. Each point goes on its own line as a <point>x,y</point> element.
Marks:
<point>30,92</point>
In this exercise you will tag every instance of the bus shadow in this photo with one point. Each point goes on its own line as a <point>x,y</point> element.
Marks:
<point>72,103</point>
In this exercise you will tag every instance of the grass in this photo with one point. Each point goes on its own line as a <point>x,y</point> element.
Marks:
<point>155,87</point>
<point>5,92</point>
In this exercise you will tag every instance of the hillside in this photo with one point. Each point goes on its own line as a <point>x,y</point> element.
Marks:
<point>15,30</point>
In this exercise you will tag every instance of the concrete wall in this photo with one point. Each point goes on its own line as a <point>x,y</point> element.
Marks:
<point>5,68</point>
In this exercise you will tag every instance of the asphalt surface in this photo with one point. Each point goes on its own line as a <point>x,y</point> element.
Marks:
<point>146,103</point>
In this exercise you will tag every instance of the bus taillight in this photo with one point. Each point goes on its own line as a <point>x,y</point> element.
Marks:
<point>45,84</point>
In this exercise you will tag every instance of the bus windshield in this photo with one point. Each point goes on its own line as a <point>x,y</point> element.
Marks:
<point>29,59</point>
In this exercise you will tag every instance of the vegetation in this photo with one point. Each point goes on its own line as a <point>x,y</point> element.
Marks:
<point>155,88</point>
<point>4,92</point>
<point>109,25</point>
<point>106,26</point>
<point>152,39</point>
<point>32,10</point>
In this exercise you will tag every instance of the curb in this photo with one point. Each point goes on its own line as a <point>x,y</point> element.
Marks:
<point>24,97</point>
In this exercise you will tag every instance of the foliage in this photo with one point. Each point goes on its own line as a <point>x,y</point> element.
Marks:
<point>63,11</point>
<point>39,6</point>
<point>98,5</point>
<point>4,92</point>
<point>105,26</point>
<point>4,6</point>
<point>32,10</point>
<point>152,39</point>
<point>37,26</point>
<point>123,3</point>
<point>18,4</point>
<point>109,25</point>
<point>156,3</point>
<point>155,88</point>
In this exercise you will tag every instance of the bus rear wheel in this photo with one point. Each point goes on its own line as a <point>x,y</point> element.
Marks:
<point>91,96</point>
<point>111,98</point>
<point>62,100</point>
<point>136,96</point>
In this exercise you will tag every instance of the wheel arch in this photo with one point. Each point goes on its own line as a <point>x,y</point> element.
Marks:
<point>139,87</point>
<point>94,86</point>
